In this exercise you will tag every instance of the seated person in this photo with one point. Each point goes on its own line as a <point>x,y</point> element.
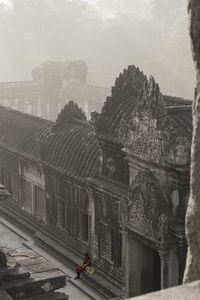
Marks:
<point>86,263</point>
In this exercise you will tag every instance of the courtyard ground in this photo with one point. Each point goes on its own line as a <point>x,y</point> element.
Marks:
<point>16,238</point>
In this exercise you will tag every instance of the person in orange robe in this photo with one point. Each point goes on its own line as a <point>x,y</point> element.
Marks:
<point>86,263</point>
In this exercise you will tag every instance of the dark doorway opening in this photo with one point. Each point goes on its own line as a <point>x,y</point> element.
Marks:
<point>144,268</point>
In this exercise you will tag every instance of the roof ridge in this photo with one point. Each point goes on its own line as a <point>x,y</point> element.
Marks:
<point>175,108</point>
<point>17,112</point>
<point>176,98</point>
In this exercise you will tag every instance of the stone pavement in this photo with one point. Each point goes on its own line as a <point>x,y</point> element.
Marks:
<point>4,295</point>
<point>190,291</point>
<point>15,238</point>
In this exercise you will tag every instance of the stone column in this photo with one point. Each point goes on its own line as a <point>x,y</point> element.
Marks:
<point>192,271</point>
<point>164,250</point>
<point>182,244</point>
<point>93,238</point>
<point>174,265</point>
<point>164,260</point>
<point>125,249</point>
<point>125,264</point>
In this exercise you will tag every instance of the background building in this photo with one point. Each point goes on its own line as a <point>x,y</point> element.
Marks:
<point>54,84</point>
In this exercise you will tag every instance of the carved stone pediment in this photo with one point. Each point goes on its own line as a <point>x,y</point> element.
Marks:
<point>150,133</point>
<point>71,111</point>
<point>146,208</point>
<point>131,79</point>
<point>151,103</point>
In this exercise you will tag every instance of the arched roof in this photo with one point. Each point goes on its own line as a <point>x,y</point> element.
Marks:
<point>73,148</point>
<point>20,133</point>
<point>68,146</point>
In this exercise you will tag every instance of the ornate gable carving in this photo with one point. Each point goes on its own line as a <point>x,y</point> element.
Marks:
<point>128,83</point>
<point>150,133</point>
<point>151,103</point>
<point>131,79</point>
<point>146,206</point>
<point>70,112</point>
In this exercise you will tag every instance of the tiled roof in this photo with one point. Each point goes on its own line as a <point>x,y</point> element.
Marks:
<point>176,101</point>
<point>69,146</point>
<point>182,116</point>
<point>20,133</point>
<point>73,148</point>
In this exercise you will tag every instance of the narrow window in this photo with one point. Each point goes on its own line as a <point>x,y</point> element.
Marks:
<point>61,214</point>
<point>106,243</point>
<point>83,226</point>
<point>39,197</point>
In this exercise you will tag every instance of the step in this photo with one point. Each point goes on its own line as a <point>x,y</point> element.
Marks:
<point>38,284</point>
<point>102,285</point>
<point>50,296</point>
<point>4,295</point>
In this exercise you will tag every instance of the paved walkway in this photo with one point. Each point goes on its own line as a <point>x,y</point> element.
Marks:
<point>15,238</point>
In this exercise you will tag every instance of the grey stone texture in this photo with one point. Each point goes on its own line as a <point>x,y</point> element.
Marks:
<point>190,291</point>
<point>192,271</point>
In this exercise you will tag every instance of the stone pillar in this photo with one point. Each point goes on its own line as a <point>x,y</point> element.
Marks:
<point>174,266</point>
<point>125,264</point>
<point>182,244</point>
<point>125,249</point>
<point>93,238</point>
<point>164,260</point>
<point>19,182</point>
<point>192,271</point>
<point>164,250</point>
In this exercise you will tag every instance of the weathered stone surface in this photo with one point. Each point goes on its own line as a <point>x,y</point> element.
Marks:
<point>44,278</point>
<point>38,284</point>
<point>4,295</point>
<point>184,292</point>
<point>51,296</point>
<point>192,271</point>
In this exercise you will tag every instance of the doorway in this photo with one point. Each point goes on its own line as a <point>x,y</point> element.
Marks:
<point>144,268</point>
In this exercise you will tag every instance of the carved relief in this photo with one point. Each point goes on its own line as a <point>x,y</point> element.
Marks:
<point>146,204</point>
<point>179,150</point>
<point>131,79</point>
<point>110,167</point>
<point>150,133</point>
<point>69,112</point>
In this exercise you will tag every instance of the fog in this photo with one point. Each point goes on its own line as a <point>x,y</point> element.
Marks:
<point>107,34</point>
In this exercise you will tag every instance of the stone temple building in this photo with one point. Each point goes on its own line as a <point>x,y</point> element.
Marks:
<point>116,186</point>
<point>53,85</point>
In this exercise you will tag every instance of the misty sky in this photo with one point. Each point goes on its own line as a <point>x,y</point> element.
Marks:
<point>108,34</point>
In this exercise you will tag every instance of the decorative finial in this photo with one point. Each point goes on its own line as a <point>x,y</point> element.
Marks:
<point>71,111</point>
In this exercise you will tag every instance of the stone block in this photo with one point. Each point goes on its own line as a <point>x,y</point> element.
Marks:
<point>4,295</point>
<point>189,291</point>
